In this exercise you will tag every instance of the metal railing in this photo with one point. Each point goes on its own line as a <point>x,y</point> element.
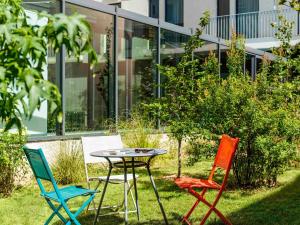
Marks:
<point>251,25</point>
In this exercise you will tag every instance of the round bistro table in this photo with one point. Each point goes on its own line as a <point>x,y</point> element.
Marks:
<point>129,159</point>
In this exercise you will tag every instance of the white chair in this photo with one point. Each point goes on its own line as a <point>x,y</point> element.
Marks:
<point>104,143</point>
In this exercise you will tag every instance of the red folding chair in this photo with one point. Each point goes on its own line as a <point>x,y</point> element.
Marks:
<point>223,160</point>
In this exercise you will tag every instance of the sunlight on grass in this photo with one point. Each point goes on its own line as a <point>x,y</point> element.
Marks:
<point>262,206</point>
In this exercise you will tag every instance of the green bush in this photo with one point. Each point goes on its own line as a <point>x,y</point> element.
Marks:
<point>11,161</point>
<point>263,113</point>
<point>69,165</point>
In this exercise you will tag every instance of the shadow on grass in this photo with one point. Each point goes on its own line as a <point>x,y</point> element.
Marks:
<point>279,208</point>
<point>88,219</point>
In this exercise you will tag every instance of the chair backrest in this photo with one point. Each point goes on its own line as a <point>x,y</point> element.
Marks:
<point>226,152</point>
<point>100,143</point>
<point>225,155</point>
<point>38,164</point>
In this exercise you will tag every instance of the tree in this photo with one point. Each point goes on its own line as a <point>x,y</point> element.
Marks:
<point>176,108</point>
<point>23,54</point>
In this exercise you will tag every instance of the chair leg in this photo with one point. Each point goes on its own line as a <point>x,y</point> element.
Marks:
<point>55,212</point>
<point>206,216</point>
<point>187,216</point>
<point>93,201</point>
<point>222,217</point>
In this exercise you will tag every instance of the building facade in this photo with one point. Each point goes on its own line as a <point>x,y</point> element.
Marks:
<point>130,44</point>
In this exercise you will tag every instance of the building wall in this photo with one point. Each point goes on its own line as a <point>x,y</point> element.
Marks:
<point>194,9</point>
<point>137,6</point>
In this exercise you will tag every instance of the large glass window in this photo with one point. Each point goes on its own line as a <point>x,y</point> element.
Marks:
<point>42,122</point>
<point>174,12</point>
<point>171,47</point>
<point>171,50</point>
<point>137,59</point>
<point>89,93</point>
<point>202,53</point>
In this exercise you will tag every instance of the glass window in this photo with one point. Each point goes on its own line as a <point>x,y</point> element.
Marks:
<point>137,59</point>
<point>174,12</point>
<point>89,93</point>
<point>171,50</point>
<point>154,8</point>
<point>42,122</point>
<point>202,53</point>
<point>171,47</point>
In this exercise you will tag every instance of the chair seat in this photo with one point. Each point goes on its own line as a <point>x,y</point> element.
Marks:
<point>187,182</point>
<point>68,193</point>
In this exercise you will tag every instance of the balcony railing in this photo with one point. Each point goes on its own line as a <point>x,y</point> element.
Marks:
<point>251,25</point>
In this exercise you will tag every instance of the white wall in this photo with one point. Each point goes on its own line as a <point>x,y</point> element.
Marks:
<point>194,9</point>
<point>137,6</point>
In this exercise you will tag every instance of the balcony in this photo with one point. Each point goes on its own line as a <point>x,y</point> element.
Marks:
<point>253,26</point>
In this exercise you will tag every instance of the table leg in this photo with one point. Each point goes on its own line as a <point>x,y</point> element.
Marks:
<point>156,193</point>
<point>125,192</point>
<point>103,193</point>
<point>135,191</point>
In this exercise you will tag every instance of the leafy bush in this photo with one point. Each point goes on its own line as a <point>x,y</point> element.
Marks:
<point>69,165</point>
<point>263,113</point>
<point>11,160</point>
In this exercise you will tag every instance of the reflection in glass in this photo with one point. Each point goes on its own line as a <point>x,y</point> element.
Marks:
<point>42,121</point>
<point>171,47</point>
<point>202,53</point>
<point>174,12</point>
<point>137,50</point>
<point>89,93</point>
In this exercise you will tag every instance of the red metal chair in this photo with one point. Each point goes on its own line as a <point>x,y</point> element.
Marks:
<point>223,160</point>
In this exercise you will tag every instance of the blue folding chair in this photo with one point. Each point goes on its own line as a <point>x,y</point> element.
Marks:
<point>41,172</point>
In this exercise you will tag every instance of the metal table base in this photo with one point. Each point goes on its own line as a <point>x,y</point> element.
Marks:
<point>130,164</point>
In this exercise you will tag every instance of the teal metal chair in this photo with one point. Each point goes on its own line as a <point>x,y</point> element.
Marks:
<point>61,196</point>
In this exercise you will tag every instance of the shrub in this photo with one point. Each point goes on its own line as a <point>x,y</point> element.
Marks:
<point>11,160</point>
<point>263,113</point>
<point>69,165</point>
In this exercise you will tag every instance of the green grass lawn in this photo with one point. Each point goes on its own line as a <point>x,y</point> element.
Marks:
<point>280,205</point>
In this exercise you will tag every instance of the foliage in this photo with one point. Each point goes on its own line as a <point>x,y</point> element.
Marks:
<point>263,113</point>
<point>23,53</point>
<point>68,167</point>
<point>284,65</point>
<point>295,4</point>
<point>236,55</point>
<point>11,159</point>
<point>175,109</point>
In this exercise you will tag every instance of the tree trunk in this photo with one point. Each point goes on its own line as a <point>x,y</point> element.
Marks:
<point>179,158</point>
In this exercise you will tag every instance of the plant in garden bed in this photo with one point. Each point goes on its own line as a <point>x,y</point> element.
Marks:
<point>68,167</point>
<point>11,160</point>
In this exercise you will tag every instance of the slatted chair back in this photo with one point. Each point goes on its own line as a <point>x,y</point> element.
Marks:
<point>225,155</point>
<point>100,143</point>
